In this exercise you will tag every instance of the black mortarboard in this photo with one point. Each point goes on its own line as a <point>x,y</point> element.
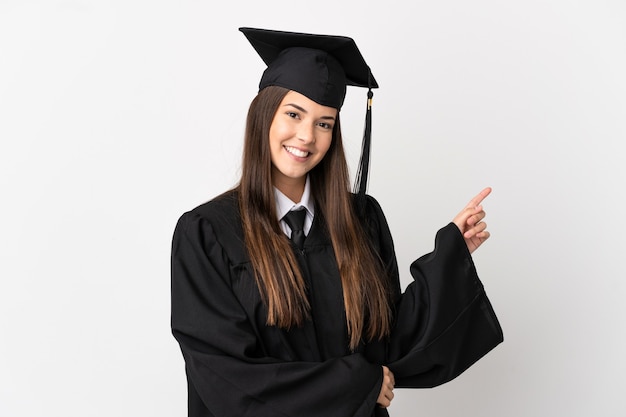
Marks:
<point>319,67</point>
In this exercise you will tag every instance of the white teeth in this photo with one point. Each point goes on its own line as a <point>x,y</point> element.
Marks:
<point>296,152</point>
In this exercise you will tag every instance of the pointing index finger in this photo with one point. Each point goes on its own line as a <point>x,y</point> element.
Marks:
<point>480,197</point>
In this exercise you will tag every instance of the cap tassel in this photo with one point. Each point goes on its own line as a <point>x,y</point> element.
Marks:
<point>360,184</point>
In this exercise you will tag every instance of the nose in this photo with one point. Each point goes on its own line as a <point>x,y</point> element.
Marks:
<point>306,133</point>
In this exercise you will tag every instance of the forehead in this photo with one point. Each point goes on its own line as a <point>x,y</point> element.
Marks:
<point>310,106</point>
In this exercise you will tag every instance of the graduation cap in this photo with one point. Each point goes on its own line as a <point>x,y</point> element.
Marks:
<point>319,67</point>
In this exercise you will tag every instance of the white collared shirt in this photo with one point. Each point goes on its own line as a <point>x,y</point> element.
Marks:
<point>284,205</point>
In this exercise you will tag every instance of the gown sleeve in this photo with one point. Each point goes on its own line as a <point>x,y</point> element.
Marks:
<point>443,322</point>
<point>227,370</point>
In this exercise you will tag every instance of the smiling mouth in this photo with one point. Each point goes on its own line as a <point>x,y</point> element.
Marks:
<point>297,152</point>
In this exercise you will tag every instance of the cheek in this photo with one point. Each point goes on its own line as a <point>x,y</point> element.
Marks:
<point>278,132</point>
<point>323,145</point>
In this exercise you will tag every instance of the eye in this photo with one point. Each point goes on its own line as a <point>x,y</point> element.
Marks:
<point>325,125</point>
<point>293,114</point>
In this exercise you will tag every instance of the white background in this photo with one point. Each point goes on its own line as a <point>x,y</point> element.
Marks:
<point>118,116</point>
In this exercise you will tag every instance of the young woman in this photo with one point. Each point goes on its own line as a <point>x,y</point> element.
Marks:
<point>273,326</point>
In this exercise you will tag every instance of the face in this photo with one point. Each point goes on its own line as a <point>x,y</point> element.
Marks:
<point>300,135</point>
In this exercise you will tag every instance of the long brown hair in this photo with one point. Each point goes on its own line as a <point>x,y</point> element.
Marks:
<point>278,276</point>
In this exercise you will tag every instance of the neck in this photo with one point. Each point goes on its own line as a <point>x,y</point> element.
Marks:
<point>292,188</point>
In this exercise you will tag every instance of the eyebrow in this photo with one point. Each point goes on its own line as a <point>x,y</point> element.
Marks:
<point>303,110</point>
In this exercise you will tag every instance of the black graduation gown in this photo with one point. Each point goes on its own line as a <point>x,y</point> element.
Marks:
<point>236,365</point>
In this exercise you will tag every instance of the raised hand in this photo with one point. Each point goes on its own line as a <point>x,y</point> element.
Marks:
<point>470,221</point>
<point>386,389</point>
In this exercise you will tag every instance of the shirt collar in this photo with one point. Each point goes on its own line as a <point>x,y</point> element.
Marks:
<point>284,204</point>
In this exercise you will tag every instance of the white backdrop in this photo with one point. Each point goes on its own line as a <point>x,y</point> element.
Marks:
<point>117,116</point>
